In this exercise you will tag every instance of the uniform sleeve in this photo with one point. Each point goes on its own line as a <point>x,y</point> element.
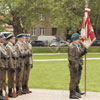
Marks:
<point>10,62</point>
<point>4,53</point>
<point>83,51</point>
<point>20,50</point>
<point>1,63</point>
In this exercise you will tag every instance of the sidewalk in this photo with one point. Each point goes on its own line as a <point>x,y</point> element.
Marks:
<point>41,60</point>
<point>43,94</point>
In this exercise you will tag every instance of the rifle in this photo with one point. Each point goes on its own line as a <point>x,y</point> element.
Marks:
<point>19,90</point>
<point>6,95</point>
<point>14,93</point>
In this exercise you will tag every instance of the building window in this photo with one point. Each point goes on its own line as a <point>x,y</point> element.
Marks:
<point>54,31</point>
<point>42,31</point>
<point>33,31</point>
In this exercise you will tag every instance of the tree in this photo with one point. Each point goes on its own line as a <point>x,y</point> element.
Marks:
<point>63,14</point>
<point>18,13</point>
<point>67,14</point>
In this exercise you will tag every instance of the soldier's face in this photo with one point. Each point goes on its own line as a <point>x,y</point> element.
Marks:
<point>12,40</point>
<point>27,40</point>
<point>2,40</point>
<point>77,41</point>
<point>21,39</point>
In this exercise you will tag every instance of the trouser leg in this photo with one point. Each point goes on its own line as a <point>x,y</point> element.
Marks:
<point>73,79</point>
<point>10,79</point>
<point>79,74</point>
<point>17,78</point>
<point>73,84</point>
<point>1,79</point>
<point>24,76</point>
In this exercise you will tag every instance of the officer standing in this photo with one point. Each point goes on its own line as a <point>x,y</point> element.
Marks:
<point>11,51</point>
<point>75,53</point>
<point>20,63</point>
<point>29,61</point>
<point>3,65</point>
<point>26,64</point>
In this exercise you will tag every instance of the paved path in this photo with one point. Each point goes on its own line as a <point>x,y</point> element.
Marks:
<point>39,94</point>
<point>39,60</point>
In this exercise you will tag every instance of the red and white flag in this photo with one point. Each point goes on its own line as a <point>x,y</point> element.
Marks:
<point>87,32</point>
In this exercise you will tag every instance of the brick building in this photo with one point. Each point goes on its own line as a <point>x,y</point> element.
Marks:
<point>41,30</point>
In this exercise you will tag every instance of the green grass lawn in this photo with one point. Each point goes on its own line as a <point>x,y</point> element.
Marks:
<point>55,75</point>
<point>62,56</point>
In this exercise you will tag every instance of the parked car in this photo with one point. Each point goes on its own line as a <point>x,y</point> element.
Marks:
<point>96,43</point>
<point>37,43</point>
<point>46,39</point>
<point>60,43</point>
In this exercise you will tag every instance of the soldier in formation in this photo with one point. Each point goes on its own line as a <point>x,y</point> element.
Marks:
<point>75,53</point>
<point>3,65</point>
<point>16,60</point>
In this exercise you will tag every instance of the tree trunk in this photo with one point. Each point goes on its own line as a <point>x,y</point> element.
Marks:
<point>17,26</point>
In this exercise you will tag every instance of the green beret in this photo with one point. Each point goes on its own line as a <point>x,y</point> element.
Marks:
<point>75,36</point>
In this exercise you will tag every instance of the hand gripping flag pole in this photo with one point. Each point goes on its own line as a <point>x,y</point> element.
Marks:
<point>87,35</point>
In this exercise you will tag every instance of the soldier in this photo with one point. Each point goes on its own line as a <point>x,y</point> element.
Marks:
<point>29,62</point>
<point>3,65</point>
<point>75,53</point>
<point>20,63</point>
<point>11,63</point>
<point>26,64</point>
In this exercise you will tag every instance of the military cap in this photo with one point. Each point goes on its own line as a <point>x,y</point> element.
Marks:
<point>27,35</point>
<point>10,36</point>
<point>21,36</point>
<point>2,36</point>
<point>75,36</point>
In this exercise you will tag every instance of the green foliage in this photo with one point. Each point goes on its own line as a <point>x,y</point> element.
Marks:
<point>64,14</point>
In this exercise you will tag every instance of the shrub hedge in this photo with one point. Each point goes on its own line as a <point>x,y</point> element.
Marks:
<point>95,49</point>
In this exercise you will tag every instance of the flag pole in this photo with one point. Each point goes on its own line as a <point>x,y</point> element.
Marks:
<point>85,69</point>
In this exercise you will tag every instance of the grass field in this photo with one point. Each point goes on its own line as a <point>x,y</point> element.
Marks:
<point>55,75</point>
<point>62,56</point>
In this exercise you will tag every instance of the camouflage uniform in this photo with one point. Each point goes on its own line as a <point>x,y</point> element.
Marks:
<point>75,54</point>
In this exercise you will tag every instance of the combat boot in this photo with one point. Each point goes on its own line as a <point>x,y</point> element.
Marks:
<point>78,91</point>
<point>23,89</point>
<point>10,93</point>
<point>1,95</point>
<point>27,90</point>
<point>78,94</point>
<point>17,89</point>
<point>73,95</point>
